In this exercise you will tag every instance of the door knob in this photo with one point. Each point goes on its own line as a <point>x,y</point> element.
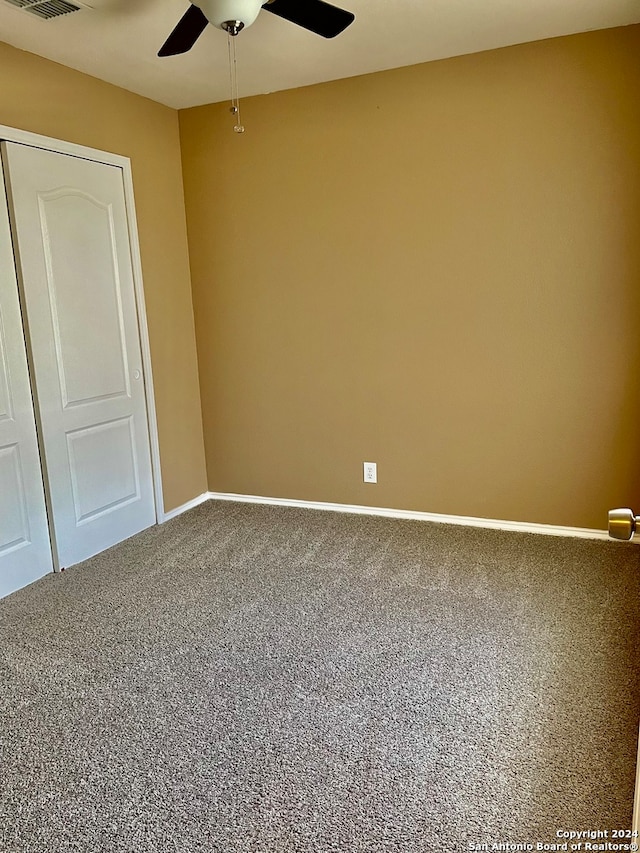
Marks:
<point>622,523</point>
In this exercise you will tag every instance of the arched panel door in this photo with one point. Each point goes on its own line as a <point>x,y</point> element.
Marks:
<point>25,553</point>
<point>70,224</point>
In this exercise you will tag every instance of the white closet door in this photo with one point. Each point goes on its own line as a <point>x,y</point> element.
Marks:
<point>70,221</point>
<point>25,553</point>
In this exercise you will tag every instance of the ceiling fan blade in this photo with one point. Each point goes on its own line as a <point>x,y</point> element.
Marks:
<point>189,28</point>
<point>315,15</point>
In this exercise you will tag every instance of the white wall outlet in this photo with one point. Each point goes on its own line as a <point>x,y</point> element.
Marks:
<point>370,472</point>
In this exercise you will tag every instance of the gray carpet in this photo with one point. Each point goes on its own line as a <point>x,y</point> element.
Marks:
<point>252,679</point>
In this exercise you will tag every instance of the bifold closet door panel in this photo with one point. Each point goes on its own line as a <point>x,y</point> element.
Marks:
<point>25,553</point>
<point>71,233</point>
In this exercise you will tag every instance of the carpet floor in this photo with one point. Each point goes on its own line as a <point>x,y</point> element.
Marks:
<point>255,679</point>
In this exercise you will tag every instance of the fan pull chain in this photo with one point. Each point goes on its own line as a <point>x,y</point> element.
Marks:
<point>233,82</point>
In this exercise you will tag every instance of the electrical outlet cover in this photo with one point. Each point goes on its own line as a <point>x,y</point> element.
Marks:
<point>370,472</point>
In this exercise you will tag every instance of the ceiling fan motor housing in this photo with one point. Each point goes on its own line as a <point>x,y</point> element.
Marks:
<point>221,12</point>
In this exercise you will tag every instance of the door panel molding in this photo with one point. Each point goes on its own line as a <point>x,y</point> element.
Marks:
<point>111,315</point>
<point>81,467</point>
<point>19,533</point>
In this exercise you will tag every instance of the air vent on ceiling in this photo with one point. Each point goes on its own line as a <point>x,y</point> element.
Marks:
<point>46,8</point>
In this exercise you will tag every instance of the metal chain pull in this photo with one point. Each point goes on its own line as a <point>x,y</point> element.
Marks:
<point>233,83</point>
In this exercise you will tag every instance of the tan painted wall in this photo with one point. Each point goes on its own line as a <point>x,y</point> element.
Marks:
<point>43,97</point>
<point>435,268</point>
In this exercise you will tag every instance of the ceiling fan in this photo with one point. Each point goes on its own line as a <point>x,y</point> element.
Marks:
<point>234,15</point>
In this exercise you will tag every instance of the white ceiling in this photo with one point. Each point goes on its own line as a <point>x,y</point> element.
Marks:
<point>117,41</point>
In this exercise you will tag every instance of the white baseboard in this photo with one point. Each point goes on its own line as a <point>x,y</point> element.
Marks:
<point>439,518</point>
<point>172,513</point>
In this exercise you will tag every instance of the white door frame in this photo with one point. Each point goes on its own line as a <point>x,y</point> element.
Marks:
<point>12,134</point>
